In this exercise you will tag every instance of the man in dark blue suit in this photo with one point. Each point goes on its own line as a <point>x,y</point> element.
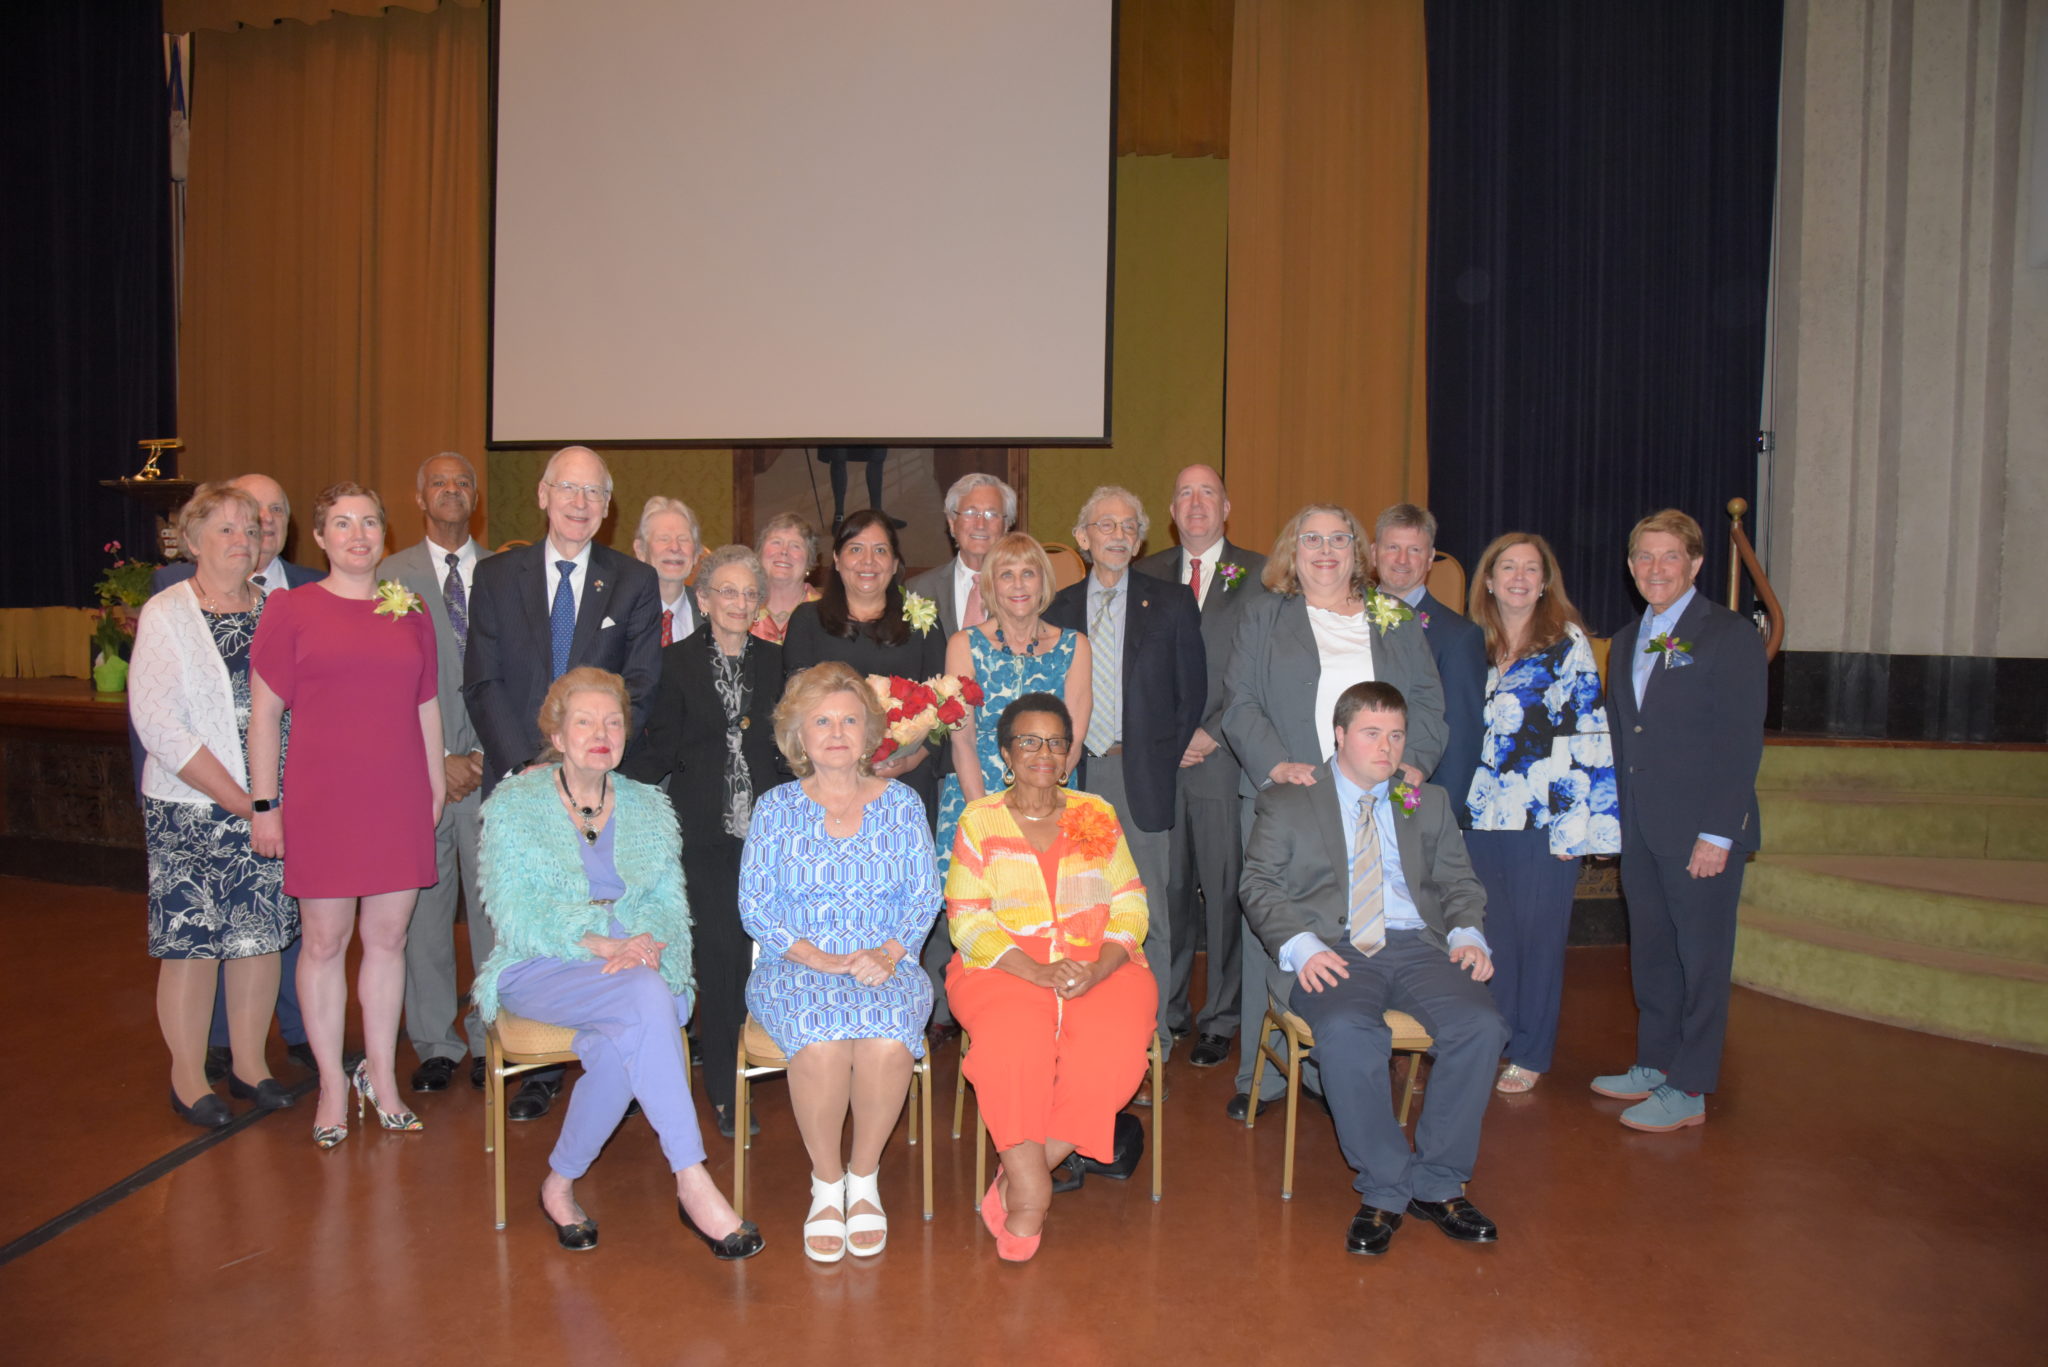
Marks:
<point>1149,680</point>
<point>1685,699</point>
<point>273,572</point>
<point>1403,547</point>
<point>538,611</point>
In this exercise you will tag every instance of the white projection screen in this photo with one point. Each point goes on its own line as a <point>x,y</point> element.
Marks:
<point>796,222</point>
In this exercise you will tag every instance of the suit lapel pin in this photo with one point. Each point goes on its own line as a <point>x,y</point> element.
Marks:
<point>1144,602</point>
<point>600,586</point>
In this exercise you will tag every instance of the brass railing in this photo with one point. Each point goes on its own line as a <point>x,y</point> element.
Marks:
<point>1742,556</point>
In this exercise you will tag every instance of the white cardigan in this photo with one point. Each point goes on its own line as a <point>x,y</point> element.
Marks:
<point>180,698</point>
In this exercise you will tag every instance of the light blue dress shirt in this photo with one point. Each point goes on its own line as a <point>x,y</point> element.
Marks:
<point>1651,628</point>
<point>1400,907</point>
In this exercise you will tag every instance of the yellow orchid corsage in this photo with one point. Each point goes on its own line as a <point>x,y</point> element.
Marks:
<point>1387,611</point>
<point>920,612</point>
<point>395,599</point>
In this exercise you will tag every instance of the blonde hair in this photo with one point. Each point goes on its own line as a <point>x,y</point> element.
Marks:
<point>1672,522</point>
<point>1553,609</point>
<point>1280,575</point>
<point>808,689</point>
<point>554,708</point>
<point>205,501</point>
<point>791,522</point>
<point>1017,548</point>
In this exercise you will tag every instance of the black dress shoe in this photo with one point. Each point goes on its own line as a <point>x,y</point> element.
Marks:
<point>743,1242</point>
<point>218,1061</point>
<point>1458,1218</point>
<point>580,1237</point>
<point>302,1054</point>
<point>532,1100</point>
<point>269,1094</point>
<point>208,1113</point>
<point>1129,1147</point>
<point>726,1125</point>
<point>1236,1107</point>
<point>433,1075</point>
<point>1069,1175</point>
<point>632,1108</point>
<point>1371,1230</point>
<point>1210,1050</point>
<point>476,1073</point>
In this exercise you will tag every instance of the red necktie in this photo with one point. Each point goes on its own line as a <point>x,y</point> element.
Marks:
<point>1195,577</point>
<point>668,627</point>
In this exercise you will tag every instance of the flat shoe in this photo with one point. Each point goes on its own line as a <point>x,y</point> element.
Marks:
<point>1634,1085</point>
<point>269,1094</point>
<point>1371,1230</point>
<point>1665,1110</point>
<point>208,1113</point>
<point>1239,1106</point>
<point>433,1075</point>
<point>1458,1218</point>
<point>532,1101</point>
<point>1011,1248</point>
<point>741,1244</point>
<point>1209,1051</point>
<point>1515,1079</point>
<point>580,1237</point>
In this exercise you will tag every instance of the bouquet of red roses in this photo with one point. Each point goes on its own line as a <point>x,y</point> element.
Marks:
<point>921,711</point>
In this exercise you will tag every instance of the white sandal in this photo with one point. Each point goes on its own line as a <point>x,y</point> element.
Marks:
<point>868,1189</point>
<point>1515,1080</point>
<point>829,1197</point>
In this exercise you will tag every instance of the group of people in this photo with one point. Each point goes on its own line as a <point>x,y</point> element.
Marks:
<point>658,785</point>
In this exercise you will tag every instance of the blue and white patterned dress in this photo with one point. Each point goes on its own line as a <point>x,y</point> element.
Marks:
<point>1546,760</point>
<point>879,884</point>
<point>1004,676</point>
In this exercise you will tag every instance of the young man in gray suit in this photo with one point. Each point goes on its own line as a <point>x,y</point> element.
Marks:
<point>1206,851</point>
<point>1360,887</point>
<point>442,569</point>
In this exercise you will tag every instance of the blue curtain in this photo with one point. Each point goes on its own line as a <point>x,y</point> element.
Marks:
<point>87,354</point>
<point>1600,190</point>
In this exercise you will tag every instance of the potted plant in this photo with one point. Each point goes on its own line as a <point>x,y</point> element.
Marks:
<point>122,588</point>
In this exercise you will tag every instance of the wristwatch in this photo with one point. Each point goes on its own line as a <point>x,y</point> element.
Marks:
<point>265,804</point>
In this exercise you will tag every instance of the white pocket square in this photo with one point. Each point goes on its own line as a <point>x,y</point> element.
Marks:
<point>607,624</point>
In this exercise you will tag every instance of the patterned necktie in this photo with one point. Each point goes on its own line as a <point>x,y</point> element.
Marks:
<point>1368,922</point>
<point>457,601</point>
<point>1195,578</point>
<point>668,628</point>
<point>972,615</point>
<point>562,620</point>
<point>1105,717</point>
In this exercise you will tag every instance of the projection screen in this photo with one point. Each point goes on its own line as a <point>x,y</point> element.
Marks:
<point>797,222</point>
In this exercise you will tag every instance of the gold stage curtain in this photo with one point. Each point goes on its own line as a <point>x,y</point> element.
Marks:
<point>1329,144</point>
<point>185,16</point>
<point>335,255</point>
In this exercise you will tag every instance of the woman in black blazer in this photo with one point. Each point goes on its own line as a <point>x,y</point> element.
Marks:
<point>713,732</point>
<point>865,620</point>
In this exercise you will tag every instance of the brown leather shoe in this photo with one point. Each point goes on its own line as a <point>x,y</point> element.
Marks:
<point>1144,1092</point>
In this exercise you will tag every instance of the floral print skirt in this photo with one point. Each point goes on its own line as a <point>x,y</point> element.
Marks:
<point>210,895</point>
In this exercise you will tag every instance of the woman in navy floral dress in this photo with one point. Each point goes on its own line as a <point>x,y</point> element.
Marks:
<point>1543,795</point>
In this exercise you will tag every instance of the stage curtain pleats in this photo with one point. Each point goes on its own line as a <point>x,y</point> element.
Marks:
<point>1329,147</point>
<point>335,266</point>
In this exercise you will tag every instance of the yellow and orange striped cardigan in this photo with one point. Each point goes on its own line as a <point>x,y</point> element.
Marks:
<point>995,891</point>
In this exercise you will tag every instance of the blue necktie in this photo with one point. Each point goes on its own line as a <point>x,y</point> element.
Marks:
<point>562,620</point>
<point>457,601</point>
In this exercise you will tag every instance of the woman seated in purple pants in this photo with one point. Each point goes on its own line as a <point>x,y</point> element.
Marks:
<point>582,881</point>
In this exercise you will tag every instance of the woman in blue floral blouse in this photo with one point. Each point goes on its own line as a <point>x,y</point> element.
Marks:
<point>1543,795</point>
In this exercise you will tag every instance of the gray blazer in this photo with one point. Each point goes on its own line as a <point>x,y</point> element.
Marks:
<point>1272,677</point>
<point>421,569</point>
<point>1297,872</point>
<point>1223,609</point>
<point>937,584</point>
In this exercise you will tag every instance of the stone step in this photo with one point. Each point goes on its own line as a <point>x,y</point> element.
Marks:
<point>1892,822</point>
<point>1995,908</point>
<point>1904,769</point>
<point>1949,992</point>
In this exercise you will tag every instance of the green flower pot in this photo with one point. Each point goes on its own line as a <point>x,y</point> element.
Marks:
<point>111,676</point>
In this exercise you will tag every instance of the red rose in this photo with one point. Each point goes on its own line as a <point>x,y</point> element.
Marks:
<point>951,713</point>
<point>970,691</point>
<point>884,750</point>
<point>900,688</point>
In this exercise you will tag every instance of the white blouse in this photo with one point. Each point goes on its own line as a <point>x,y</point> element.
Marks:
<point>179,696</point>
<point>1344,645</point>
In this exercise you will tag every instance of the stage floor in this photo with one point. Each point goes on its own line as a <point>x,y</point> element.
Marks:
<point>1860,1194</point>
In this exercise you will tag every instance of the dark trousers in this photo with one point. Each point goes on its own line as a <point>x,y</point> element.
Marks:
<point>722,955</point>
<point>1205,853</point>
<point>290,1023</point>
<point>1352,1040</point>
<point>1681,953</point>
<point>1149,850</point>
<point>1528,918</point>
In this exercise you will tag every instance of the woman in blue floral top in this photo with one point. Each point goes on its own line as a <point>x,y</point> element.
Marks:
<point>1543,795</point>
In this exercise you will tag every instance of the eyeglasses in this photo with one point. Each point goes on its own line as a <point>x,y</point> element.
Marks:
<point>981,514</point>
<point>1110,526</point>
<point>1315,541</point>
<point>570,489</point>
<point>1029,745</point>
<point>731,595</point>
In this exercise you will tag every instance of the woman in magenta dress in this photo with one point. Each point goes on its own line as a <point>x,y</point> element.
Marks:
<point>353,661</point>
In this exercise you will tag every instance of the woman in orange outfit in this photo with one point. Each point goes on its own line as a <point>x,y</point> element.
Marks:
<point>1047,913</point>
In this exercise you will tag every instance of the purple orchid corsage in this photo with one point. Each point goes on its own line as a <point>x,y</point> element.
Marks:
<point>1407,797</point>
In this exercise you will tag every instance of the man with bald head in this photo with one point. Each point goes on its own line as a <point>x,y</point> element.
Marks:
<point>1207,848</point>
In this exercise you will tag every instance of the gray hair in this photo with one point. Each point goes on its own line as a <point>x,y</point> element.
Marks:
<point>967,484</point>
<point>547,474</point>
<point>742,556</point>
<point>419,480</point>
<point>1409,516</point>
<point>1109,491</point>
<point>660,504</point>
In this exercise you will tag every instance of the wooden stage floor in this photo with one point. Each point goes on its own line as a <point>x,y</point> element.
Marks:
<point>1860,1194</point>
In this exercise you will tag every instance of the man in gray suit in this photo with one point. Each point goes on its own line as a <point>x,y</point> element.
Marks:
<point>441,570</point>
<point>1375,866</point>
<point>980,510</point>
<point>1206,851</point>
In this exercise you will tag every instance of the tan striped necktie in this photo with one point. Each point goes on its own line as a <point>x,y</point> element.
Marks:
<point>1368,922</point>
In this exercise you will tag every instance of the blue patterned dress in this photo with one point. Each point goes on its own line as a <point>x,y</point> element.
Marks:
<point>1545,761</point>
<point>798,883</point>
<point>1004,676</point>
